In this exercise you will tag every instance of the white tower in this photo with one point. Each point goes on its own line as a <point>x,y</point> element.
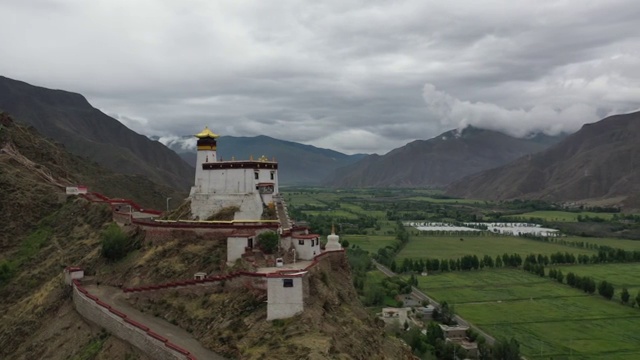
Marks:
<point>333,241</point>
<point>206,154</point>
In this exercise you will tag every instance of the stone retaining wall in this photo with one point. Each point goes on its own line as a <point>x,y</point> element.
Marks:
<point>117,323</point>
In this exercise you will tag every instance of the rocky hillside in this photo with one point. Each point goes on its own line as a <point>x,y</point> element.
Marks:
<point>84,130</point>
<point>600,161</point>
<point>438,161</point>
<point>299,164</point>
<point>42,232</point>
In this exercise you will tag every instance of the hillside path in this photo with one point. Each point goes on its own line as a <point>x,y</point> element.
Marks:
<point>422,296</point>
<point>116,298</point>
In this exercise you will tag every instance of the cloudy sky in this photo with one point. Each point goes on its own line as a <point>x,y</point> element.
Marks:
<point>355,76</point>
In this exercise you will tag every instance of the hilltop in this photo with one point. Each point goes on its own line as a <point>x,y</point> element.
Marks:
<point>598,162</point>
<point>438,161</point>
<point>68,118</point>
<point>44,231</point>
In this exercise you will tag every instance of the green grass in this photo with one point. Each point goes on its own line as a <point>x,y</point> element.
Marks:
<point>91,349</point>
<point>562,216</point>
<point>450,247</point>
<point>33,243</point>
<point>544,316</point>
<point>370,243</point>
<point>620,275</point>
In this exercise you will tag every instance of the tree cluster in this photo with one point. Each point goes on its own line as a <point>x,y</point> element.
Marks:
<point>584,283</point>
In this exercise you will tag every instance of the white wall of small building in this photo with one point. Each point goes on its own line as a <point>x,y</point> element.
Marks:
<point>69,276</point>
<point>236,247</point>
<point>284,302</point>
<point>304,248</point>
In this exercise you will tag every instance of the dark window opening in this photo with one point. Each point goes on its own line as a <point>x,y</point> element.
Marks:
<point>287,282</point>
<point>256,175</point>
<point>300,242</point>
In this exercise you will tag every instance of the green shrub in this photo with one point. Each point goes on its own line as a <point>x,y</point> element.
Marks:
<point>115,243</point>
<point>6,272</point>
<point>268,242</point>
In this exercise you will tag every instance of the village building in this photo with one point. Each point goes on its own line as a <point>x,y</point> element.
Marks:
<point>454,332</point>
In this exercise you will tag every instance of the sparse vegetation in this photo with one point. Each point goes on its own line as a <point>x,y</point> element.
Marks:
<point>224,214</point>
<point>115,243</point>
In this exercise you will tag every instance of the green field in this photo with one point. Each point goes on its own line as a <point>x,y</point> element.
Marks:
<point>450,247</point>
<point>370,243</point>
<point>620,275</point>
<point>547,318</point>
<point>562,216</point>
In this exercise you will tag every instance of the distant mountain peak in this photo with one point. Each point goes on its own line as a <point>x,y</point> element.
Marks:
<point>436,162</point>
<point>598,161</point>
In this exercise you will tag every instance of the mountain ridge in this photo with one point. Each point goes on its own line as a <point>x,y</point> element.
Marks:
<point>438,161</point>
<point>598,161</point>
<point>69,118</point>
<point>299,164</point>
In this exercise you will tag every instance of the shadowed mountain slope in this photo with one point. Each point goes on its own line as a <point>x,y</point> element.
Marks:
<point>299,164</point>
<point>84,130</point>
<point>599,161</point>
<point>438,161</point>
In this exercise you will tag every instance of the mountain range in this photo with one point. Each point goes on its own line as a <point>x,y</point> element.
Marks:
<point>68,118</point>
<point>299,164</point>
<point>600,161</point>
<point>438,161</point>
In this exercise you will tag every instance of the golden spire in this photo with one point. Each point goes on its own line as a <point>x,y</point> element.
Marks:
<point>206,133</point>
<point>250,157</point>
<point>263,158</point>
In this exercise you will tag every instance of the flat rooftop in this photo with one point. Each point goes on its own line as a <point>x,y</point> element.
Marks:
<point>298,265</point>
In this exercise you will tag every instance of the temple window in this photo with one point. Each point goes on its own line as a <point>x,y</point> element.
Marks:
<point>287,282</point>
<point>273,175</point>
<point>256,175</point>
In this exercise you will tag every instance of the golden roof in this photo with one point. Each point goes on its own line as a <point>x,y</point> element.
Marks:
<point>206,133</point>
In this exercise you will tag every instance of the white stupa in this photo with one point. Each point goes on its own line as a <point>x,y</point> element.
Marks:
<point>333,241</point>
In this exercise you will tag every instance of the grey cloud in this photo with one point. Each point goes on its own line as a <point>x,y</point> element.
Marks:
<point>353,75</point>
